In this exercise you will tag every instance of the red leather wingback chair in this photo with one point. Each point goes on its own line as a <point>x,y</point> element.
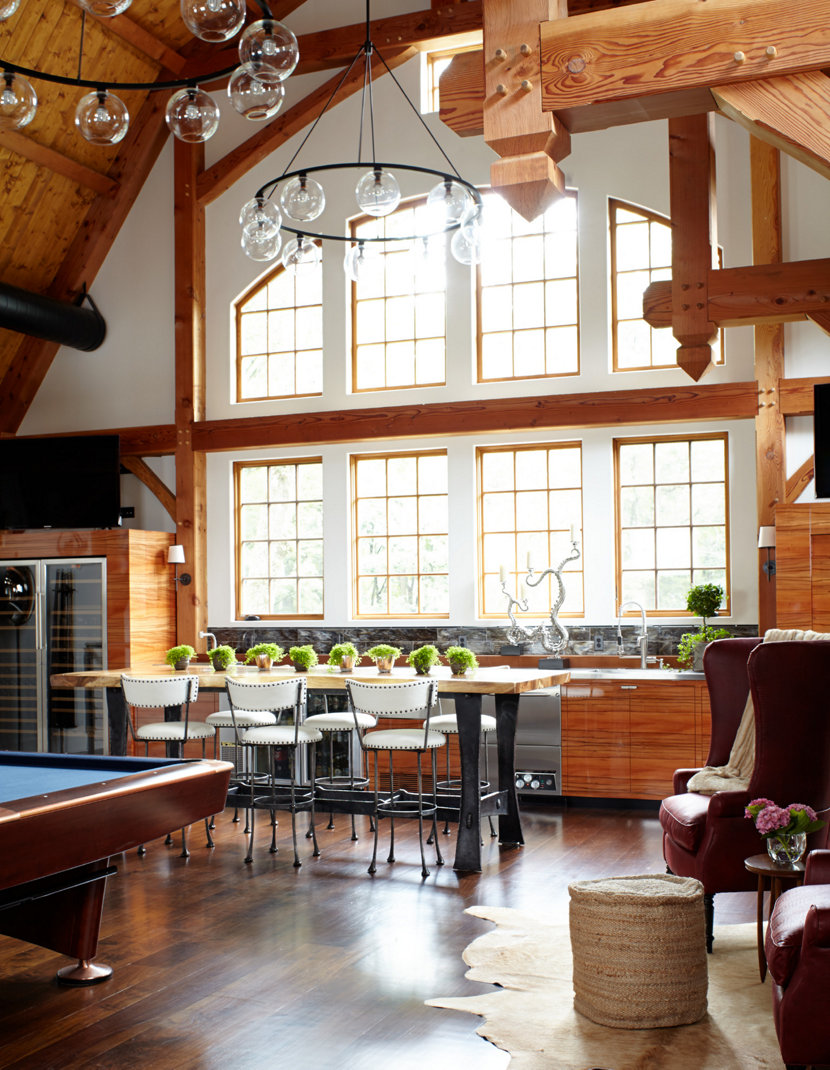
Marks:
<point>798,958</point>
<point>708,836</point>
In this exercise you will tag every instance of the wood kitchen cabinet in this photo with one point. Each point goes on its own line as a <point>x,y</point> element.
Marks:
<point>625,738</point>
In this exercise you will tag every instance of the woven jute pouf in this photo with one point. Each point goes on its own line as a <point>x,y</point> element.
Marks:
<point>639,951</point>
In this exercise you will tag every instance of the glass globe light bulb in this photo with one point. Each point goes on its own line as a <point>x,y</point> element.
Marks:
<point>361,264</point>
<point>471,223</point>
<point>446,203</point>
<point>378,192</point>
<point>261,212</point>
<point>102,118</point>
<point>192,115</point>
<point>18,101</point>
<point>464,249</point>
<point>260,248</point>
<point>300,256</point>
<point>255,93</point>
<point>105,9</point>
<point>213,20</point>
<point>302,199</point>
<point>8,8</point>
<point>268,43</point>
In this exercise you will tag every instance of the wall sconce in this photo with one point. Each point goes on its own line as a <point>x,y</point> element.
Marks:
<point>766,541</point>
<point>175,556</point>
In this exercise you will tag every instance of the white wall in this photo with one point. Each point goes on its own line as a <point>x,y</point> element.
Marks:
<point>129,381</point>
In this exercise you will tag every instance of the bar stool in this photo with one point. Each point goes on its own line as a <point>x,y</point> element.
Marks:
<point>169,693</point>
<point>412,700</point>
<point>447,723</point>
<point>245,719</point>
<point>329,722</point>
<point>275,696</point>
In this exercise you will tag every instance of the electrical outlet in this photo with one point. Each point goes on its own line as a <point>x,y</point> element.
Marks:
<point>462,640</point>
<point>599,642</point>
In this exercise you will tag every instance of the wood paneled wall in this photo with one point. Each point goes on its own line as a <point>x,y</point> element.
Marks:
<point>802,557</point>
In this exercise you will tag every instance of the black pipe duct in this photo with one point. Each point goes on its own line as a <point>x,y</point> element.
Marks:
<point>55,321</point>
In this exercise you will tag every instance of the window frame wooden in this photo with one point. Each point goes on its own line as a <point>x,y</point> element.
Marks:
<point>262,283</point>
<point>479,299</point>
<point>514,448</point>
<point>722,436</point>
<point>354,459</point>
<point>269,462</point>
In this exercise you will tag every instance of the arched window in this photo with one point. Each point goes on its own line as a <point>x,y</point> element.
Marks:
<point>279,337</point>
<point>640,255</point>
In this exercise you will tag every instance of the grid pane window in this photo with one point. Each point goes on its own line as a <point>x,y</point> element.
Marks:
<point>530,499</point>
<point>528,301</point>
<point>279,538</point>
<point>672,519</point>
<point>641,251</point>
<point>401,543</point>
<point>279,332</point>
<point>399,306</point>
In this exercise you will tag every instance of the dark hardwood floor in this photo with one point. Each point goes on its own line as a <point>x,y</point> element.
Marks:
<point>222,965</point>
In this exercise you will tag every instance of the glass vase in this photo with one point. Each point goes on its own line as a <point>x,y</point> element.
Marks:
<point>786,849</point>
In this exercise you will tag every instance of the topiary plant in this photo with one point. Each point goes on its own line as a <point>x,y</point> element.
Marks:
<point>383,655</point>
<point>179,656</point>
<point>704,600</point>
<point>343,650</point>
<point>423,658</point>
<point>267,650</point>
<point>303,657</point>
<point>461,658</point>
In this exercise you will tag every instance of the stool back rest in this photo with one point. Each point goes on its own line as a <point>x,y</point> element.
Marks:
<point>154,692</point>
<point>409,700</point>
<point>275,696</point>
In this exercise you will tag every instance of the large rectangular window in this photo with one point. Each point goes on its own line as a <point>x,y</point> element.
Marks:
<point>530,509</point>
<point>279,538</point>
<point>672,519</point>
<point>400,525</point>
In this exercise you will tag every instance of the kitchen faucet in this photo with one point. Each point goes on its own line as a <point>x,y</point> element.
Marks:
<point>208,636</point>
<point>642,639</point>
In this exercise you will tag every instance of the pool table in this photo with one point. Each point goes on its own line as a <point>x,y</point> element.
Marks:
<point>61,818</point>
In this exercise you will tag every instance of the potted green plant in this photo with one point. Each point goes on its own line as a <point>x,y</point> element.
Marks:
<point>461,660</point>
<point>303,657</point>
<point>383,655</point>
<point>345,656</point>
<point>264,654</point>
<point>221,657</point>
<point>423,658</point>
<point>179,656</point>
<point>704,600</point>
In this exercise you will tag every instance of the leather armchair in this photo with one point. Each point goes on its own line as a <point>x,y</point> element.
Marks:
<point>798,959</point>
<point>708,836</point>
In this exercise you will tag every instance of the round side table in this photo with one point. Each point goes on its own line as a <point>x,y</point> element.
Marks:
<point>770,873</point>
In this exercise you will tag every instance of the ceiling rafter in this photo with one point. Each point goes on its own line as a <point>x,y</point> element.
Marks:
<point>44,156</point>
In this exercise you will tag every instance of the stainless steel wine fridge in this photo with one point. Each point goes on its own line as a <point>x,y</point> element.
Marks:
<point>52,619</point>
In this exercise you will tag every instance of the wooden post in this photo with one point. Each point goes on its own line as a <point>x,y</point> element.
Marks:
<point>189,304</point>
<point>694,235</point>
<point>769,363</point>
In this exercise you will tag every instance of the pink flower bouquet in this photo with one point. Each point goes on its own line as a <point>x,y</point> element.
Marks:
<point>773,820</point>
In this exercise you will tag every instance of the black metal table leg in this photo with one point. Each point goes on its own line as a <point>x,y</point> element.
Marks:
<point>468,843</point>
<point>510,823</point>
<point>117,718</point>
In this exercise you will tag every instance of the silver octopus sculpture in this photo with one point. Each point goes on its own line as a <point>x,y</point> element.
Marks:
<point>553,636</point>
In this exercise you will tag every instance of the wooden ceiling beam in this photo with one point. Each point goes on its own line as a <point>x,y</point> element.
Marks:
<point>795,396</point>
<point>134,161</point>
<point>147,43</point>
<point>763,293</point>
<point>55,161</point>
<point>219,178</point>
<point>145,474</point>
<point>721,401</point>
<point>677,46</point>
<point>791,113</point>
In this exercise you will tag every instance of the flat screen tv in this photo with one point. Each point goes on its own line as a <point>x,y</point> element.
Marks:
<point>71,482</point>
<point>821,434</point>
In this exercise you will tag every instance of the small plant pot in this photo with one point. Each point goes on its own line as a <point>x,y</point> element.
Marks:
<point>263,662</point>
<point>422,672</point>
<point>346,664</point>
<point>182,663</point>
<point>300,668</point>
<point>458,668</point>
<point>385,665</point>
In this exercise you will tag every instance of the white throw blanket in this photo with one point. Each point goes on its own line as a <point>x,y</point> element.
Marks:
<point>735,775</point>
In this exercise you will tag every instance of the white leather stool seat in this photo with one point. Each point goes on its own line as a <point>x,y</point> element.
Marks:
<point>448,723</point>
<point>403,739</point>
<point>280,735</point>
<point>169,731</point>
<point>339,721</point>
<point>244,718</point>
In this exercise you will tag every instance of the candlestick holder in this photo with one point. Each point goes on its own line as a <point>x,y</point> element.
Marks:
<point>553,636</point>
